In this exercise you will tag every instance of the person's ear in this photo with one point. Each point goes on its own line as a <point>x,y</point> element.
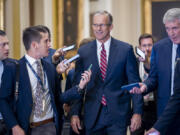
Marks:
<point>111,26</point>
<point>34,44</point>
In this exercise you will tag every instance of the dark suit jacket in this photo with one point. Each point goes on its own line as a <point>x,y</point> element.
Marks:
<point>122,69</point>
<point>9,60</point>
<point>69,79</point>
<point>160,73</point>
<point>172,109</point>
<point>24,103</point>
<point>50,54</point>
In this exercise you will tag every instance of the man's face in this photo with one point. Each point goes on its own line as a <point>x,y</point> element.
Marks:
<point>4,47</point>
<point>101,28</point>
<point>173,30</point>
<point>146,46</point>
<point>43,45</point>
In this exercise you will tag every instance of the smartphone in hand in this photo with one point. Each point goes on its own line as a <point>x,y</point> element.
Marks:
<point>72,59</point>
<point>89,68</point>
<point>130,86</point>
<point>140,53</point>
<point>68,48</point>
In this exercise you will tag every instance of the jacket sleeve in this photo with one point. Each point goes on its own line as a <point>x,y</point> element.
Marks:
<point>133,76</point>
<point>151,81</point>
<point>77,104</point>
<point>172,109</point>
<point>7,96</point>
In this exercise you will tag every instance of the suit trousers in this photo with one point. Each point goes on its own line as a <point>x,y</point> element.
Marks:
<point>105,126</point>
<point>174,128</point>
<point>148,119</point>
<point>45,129</point>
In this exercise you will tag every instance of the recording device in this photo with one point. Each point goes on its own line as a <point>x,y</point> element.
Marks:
<point>130,86</point>
<point>140,53</point>
<point>72,59</point>
<point>68,48</point>
<point>89,68</point>
<point>153,133</point>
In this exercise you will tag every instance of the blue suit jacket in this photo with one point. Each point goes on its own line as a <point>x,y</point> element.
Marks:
<point>122,69</point>
<point>172,109</point>
<point>160,73</point>
<point>50,54</point>
<point>24,103</point>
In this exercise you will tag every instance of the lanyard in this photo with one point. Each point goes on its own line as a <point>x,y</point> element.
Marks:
<point>37,76</point>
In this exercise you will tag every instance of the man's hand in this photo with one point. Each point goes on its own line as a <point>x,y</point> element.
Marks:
<point>75,124</point>
<point>17,130</point>
<point>141,59</point>
<point>140,90</point>
<point>61,67</point>
<point>66,108</point>
<point>59,52</point>
<point>152,131</point>
<point>135,122</point>
<point>85,78</point>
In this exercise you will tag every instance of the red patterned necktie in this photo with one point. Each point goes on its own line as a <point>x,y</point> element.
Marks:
<point>103,67</point>
<point>103,62</point>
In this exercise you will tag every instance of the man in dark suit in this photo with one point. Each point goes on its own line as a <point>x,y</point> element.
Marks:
<point>163,59</point>
<point>54,56</point>
<point>39,92</point>
<point>107,108</point>
<point>172,109</point>
<point>4,52</point>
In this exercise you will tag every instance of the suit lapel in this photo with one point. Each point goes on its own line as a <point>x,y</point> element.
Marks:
<point>95,61</point>
<point>112,53</point>
<point>48,73</point>
<point>25,79</point>
<point>169,59</point>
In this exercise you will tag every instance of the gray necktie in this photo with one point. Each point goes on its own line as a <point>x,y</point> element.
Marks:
<point>38,99</point>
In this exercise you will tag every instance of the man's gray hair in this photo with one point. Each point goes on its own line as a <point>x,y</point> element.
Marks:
<point>103,12</point>
<point>171,15</point>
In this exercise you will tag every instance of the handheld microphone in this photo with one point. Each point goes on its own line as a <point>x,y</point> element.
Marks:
<point>68,48</point>
<point>72,59</point>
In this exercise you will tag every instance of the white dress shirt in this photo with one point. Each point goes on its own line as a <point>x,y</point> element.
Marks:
<point>33,81</point>
<point>106,47</point>
<point>174,48</point>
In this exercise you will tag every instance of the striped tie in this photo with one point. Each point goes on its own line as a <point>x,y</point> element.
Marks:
<point>103,67</point>
<point>103,63</point>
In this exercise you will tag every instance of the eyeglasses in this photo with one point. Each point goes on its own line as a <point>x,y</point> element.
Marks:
<point>100,25</point>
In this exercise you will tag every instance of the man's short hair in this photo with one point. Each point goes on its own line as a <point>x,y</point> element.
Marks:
<point>171,15</point>
<point>103,12</point>
<point>2,33</point>
<point>31,34</point>
<point>43,27</point>
<point>144,36</point>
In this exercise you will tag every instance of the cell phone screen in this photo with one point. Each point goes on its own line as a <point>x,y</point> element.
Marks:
<point>140,53</point>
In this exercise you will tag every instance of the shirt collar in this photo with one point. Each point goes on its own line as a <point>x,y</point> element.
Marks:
<point>175,45</point>
<point>106,44</point>
<point>30,59</point>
